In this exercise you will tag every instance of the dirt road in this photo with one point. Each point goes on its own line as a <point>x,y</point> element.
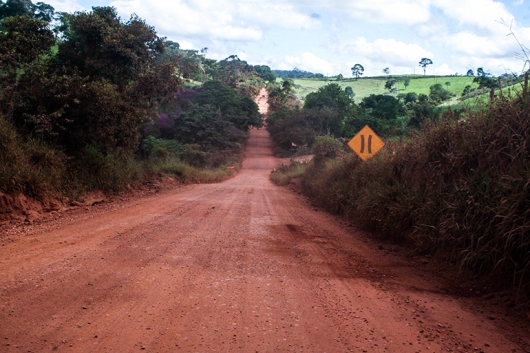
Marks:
<point>240,266</point>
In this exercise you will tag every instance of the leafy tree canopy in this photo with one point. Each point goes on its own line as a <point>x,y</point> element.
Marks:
<point>411,97</point>
<point>382,106</point>
<point>349,91</point>
<point>357,70</point>
<point>389,84</point>
<point>100,44</point>
<point>331,96</point>
<point>297,73</point>
<point>265,73</point>
<point>485,80</point>
<point>22,41</point>
<point>334,105</point>
<point>26,8</point>
<point>424,62</point>
<point>439,94</point>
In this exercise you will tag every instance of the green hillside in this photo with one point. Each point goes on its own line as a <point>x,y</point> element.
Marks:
<point>376,85</point>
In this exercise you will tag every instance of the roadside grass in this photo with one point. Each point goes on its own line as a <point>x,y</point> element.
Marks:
<point>36,169</point>
<point>188,174</point>
<point>27,166</point>
<point>286,172</point>
<point>510,92</point>
<point>457,189</point>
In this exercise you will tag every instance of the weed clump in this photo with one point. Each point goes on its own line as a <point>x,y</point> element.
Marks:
<point>283,175</point>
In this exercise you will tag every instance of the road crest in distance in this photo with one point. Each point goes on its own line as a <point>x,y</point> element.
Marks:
<point>366,143</point>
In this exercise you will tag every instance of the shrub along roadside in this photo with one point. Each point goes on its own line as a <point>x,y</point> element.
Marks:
<point>286,172</point>
<point>459,189</point>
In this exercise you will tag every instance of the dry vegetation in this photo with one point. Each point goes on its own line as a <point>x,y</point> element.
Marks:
<point>459,189</point>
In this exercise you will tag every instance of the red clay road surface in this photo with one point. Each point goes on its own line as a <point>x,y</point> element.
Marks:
<point>240,266</point>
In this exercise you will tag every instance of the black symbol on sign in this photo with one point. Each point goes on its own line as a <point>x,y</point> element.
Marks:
<point>369,143</point>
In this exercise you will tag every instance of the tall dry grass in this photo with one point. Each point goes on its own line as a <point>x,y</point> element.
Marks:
<point>459,188</point>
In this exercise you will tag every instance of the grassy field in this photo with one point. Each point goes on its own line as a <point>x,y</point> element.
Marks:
<point>376,85</point>
<point>508,92</point>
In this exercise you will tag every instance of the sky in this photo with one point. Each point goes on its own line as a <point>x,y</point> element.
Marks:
<point>331,36</point>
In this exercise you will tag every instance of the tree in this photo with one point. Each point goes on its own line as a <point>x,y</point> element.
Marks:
<point>438,94</point>
<point>241,112</point>
<point>467,90</point>
<point>484,79</point>
<point>287,126</point>
<point>287,86</point>
<point>330,98</point>
<point>470,73</point>
<point>99,44</point>
<point>232,71</point>
<point>389,84</point>
<point>382,106</point>
<point>386,71</point>
<point>265,73</point>
<point>349,91</point>
<point>422,112</point>
<point>22,41</point>
<point>23,44</point>
<point>411,97</point>
<point>424,62</point>
<point>122,79</point>
<point>423,98</point>
<point>357,70</point>
<point>44,12</point>
<point>340,77</point>
<point>481,72</point>
<point>406,82</point>
<point>12,8</point>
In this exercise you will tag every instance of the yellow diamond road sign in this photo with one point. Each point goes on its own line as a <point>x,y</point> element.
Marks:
<point>366,143</point>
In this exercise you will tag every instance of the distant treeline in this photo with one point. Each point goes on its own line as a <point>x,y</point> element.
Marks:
<point>296,73</point>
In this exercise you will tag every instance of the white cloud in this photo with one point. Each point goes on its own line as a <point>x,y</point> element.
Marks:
<point>481,15</point>
<point>216,19</point>
<point>270,14</point>
<point>467,43</point>
<point>181,18</point>
<point>185,44</point>
<point>385,49</point>
<point>497,51</point>
<point>407,12</point>
<point>307,62</point>
<point>443,69</point>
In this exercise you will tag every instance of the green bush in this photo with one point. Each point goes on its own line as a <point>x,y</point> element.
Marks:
<point>30,167</point>
<point>326,147</point>
<point>109,173</point>
<point>286,172</point>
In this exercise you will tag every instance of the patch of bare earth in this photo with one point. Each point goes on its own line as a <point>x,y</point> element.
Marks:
<point>240,266</point>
